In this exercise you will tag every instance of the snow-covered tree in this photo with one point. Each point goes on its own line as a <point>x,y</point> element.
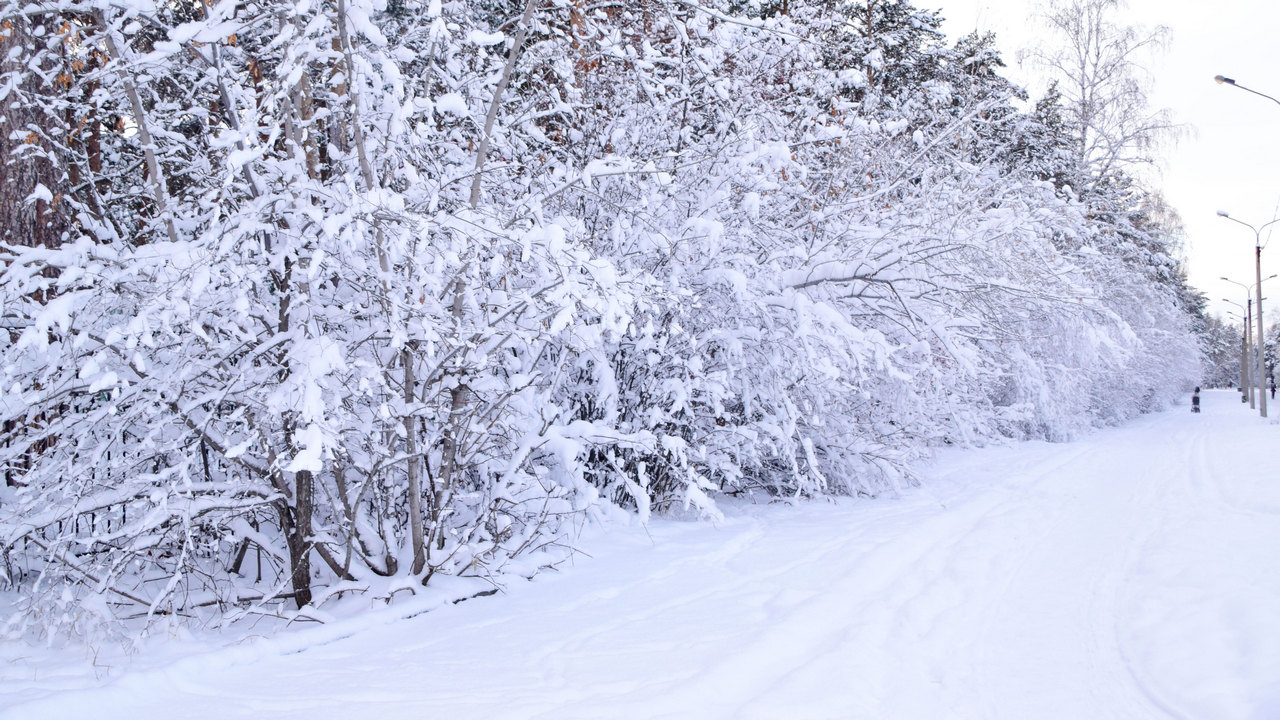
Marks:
<point>349,295</point>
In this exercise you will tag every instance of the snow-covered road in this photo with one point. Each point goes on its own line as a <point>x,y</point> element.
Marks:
<point>1132,574</point>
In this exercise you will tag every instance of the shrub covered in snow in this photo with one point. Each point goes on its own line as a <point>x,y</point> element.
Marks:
<point>355,294</point>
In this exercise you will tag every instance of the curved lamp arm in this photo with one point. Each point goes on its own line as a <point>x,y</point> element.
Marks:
<point>1228,81</point>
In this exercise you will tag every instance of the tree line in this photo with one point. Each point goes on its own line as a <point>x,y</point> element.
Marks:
<point>312,298</point>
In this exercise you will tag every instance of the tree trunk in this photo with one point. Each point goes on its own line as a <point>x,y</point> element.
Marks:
<point>482,152</point>
<point>295,521</point>
<point>415,463</point>
<point>39,223</point>
<point>143,127</point>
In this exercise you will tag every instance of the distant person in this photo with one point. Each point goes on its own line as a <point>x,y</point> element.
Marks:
<point>1195,400</point>
<point>1273,388</point>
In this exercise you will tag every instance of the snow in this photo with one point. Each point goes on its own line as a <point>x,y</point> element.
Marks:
<point>484,39</point>
<point>1129,574</point>
<point>452,103</point>
<point>41,193</point>
<point>309,457</point>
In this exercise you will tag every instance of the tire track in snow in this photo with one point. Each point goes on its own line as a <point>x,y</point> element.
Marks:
<point>1197,640</point>
<point>1184,450</point>
<point>1080,592</point>
<point>892,589</point>
<point>1191,455</point>
<point>922,595</point>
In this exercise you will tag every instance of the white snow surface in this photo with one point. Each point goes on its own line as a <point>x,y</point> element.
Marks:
<point>1130,574</point>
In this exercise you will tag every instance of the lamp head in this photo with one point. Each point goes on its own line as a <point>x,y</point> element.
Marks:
<point>1223,80</point>
<point>1223,213</point>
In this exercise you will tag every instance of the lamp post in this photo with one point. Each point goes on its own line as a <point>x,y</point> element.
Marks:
<point>1246,383</point>
<point>1257,233</point>
<point>1257,255</point>
<point>1253,375</point>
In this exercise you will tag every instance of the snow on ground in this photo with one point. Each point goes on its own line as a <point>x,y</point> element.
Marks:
<point>1131,574</point>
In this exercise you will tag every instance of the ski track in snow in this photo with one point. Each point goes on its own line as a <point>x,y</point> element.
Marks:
<point>1131,574</point>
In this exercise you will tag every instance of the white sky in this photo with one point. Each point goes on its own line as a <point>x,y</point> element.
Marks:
<point>1230,158</point>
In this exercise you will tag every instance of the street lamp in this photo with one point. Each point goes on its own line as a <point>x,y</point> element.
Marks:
<point>1246,340</point>
<point>1228,81</point>
<point>1253,373</point>
<point>1257,255</point>
<point>1246,383</point>
<point>1257,233</point>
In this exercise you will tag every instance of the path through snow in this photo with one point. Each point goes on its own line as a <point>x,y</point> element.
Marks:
<point>1132,574</point>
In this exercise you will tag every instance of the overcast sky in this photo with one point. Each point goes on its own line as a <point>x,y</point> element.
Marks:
<point>1230,157</point>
